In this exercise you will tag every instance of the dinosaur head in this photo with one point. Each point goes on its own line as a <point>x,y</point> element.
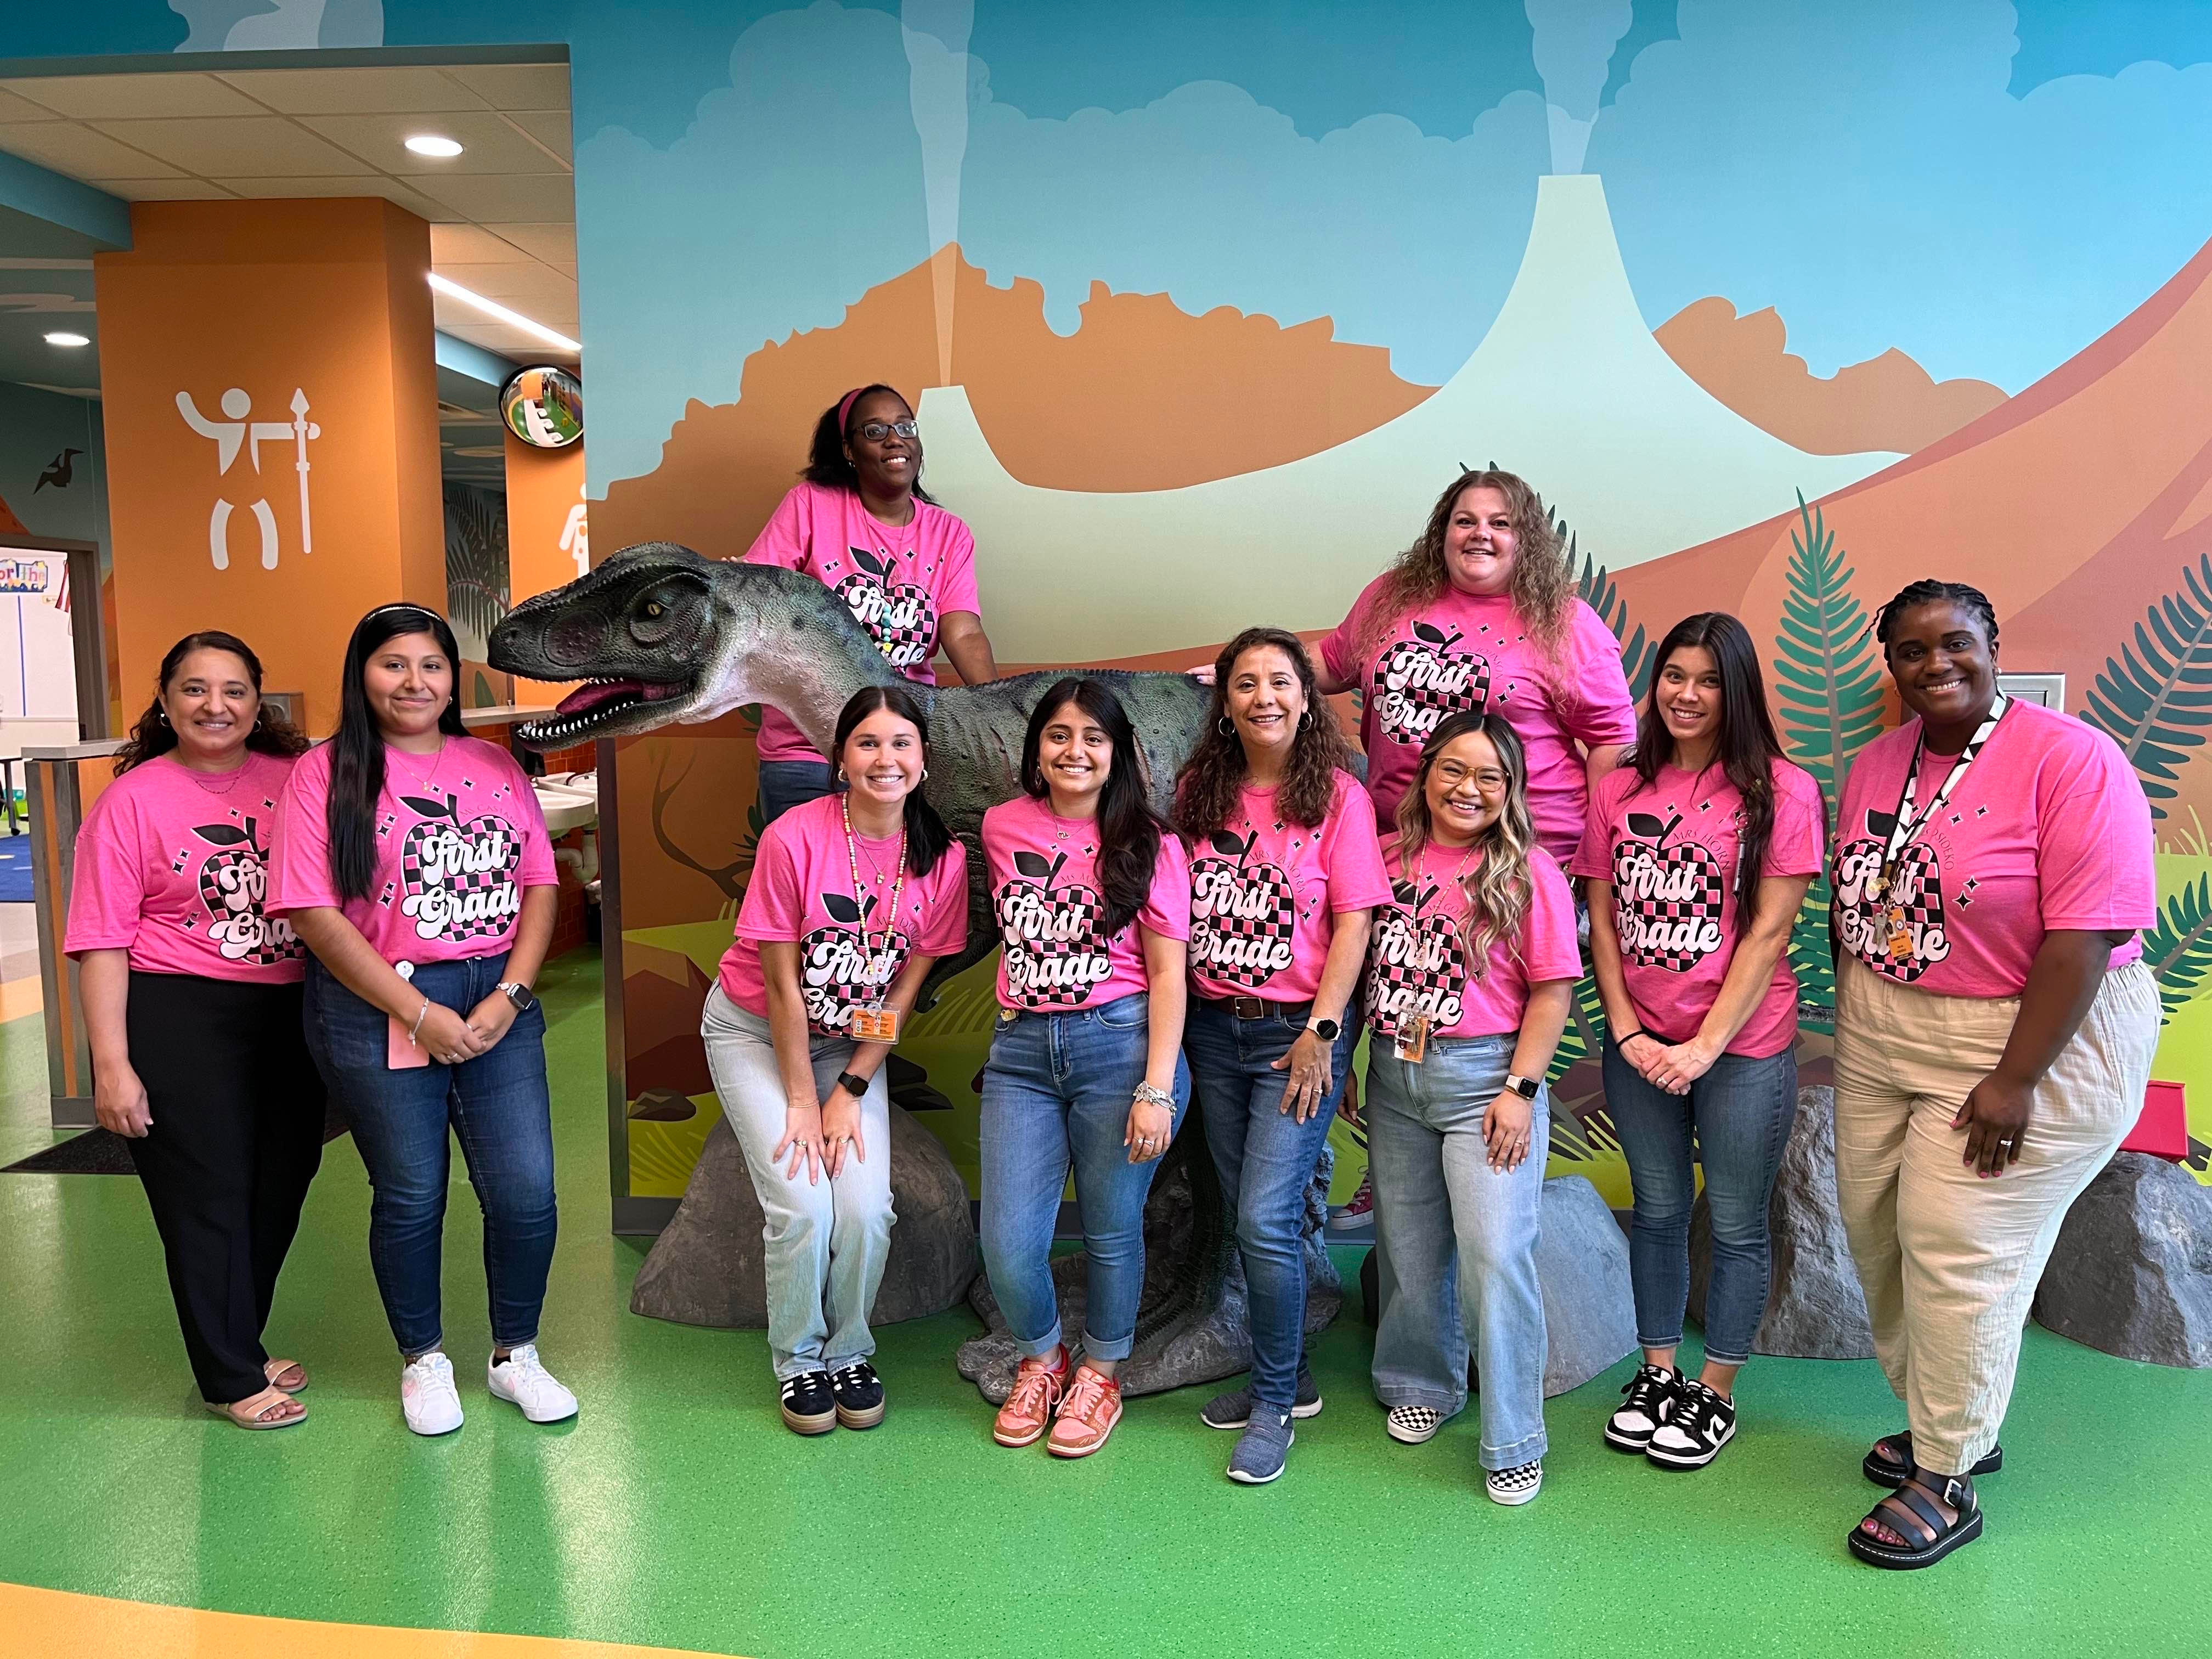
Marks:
<point>661,635</point>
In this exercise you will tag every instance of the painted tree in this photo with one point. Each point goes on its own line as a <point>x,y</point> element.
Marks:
<point>1828,693</point>
<point>2155,699</point>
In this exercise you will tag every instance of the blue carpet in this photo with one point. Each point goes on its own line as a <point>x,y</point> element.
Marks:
<point>15,870</point>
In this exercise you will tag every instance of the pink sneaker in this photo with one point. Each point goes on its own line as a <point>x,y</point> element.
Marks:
<point>1027,1411</point>
<point>1087,1416</point>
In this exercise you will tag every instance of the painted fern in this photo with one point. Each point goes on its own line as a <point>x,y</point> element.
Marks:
<point>476,565</point>
<point>2155,698</point>
<point>1828,692</point>
<point>1638,654</point>
<point>2178,950</point>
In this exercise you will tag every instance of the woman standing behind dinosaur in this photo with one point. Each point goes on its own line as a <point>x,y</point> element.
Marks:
<point>860,522</point>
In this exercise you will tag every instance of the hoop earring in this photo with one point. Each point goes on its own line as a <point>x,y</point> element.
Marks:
<point>1305,720</point>
<point>1226,726</point>
<point>164,716</point>
<point>925,774</point>
<point>840,774</point>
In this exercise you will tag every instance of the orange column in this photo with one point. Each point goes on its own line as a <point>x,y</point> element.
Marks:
<point>270,389</point>
<point>546,543</point>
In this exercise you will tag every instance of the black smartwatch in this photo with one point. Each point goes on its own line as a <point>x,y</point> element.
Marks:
<point>855,1086</point>
<point>520,996</point>
<point>1326,1029</point>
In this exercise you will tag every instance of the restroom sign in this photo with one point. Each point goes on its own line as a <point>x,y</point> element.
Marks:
<point>239,434</point>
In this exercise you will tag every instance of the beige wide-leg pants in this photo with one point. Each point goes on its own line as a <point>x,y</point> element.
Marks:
<point>1949,1261</point>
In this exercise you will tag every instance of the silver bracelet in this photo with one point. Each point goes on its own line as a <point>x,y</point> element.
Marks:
<point>419,1019</point>
<point>1159,1098</point>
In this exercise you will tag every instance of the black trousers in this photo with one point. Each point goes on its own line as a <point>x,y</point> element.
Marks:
<point>237,1134</point>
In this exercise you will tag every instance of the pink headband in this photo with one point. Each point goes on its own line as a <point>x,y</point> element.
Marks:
<point>845,407</point>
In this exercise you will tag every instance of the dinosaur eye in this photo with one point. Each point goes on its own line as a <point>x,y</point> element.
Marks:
<point>657,614</point>
<point>655,609</point>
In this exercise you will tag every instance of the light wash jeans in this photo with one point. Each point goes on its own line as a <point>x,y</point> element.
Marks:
<point>1741,1111</point>
<point>825,1240</point>
<point>1448,1228</point>
<point>1056,1094</point>
<point>1264,1158</point>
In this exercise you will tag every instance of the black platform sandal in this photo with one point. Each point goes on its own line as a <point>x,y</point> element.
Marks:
<point>1888,1471</point>
<point>1911,1505</point>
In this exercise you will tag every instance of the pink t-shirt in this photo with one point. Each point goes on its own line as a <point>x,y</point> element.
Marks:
<point>852,945</point>
<point>1460,653</point>
<point>459,836</point>
<point>1051,910</point>
<point>1671,852</point>
<point>170,869</point>
<point>1265,894</point>
<point>1417,964</point>
<point>901,581</point>
<point>2048,832</point>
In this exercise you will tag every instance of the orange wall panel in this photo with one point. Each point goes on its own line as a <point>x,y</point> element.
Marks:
<point>545,532</point>
<point>244,307</point>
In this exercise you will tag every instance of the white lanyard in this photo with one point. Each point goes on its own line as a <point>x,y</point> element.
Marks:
<point>1907,826</point>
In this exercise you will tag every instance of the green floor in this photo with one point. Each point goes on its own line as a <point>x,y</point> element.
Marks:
<point>677,1511</point>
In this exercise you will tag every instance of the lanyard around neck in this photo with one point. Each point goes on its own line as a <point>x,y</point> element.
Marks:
<point>1908,825</point>
<point>859,894</point>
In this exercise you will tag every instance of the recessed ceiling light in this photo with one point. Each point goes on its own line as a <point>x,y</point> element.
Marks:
<point>512,319</point>
<point>65,338</point>
<point>431,143</point>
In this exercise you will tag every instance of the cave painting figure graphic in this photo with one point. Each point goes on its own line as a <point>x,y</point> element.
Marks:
<point>236,433</point>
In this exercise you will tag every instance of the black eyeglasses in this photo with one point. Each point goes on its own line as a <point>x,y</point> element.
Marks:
<point>876,431</point>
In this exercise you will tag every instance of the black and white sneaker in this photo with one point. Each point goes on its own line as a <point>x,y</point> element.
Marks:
<point>1413,1424</point>
<point>1701,1423</point>
<point>1652,1396</point>
<point>1515,1486</point>
<point>809,1406</point>
<point>1233,1410</point>
<point>860,1396</point>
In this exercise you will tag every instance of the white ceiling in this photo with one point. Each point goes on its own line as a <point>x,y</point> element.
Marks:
<point>503,213</point>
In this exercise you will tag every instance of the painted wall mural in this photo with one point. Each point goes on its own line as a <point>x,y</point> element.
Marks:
<point>1780,304</point>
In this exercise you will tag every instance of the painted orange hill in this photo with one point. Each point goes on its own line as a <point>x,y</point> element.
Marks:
<point>2073,504</point>
<point>1888,402</point>
<point>1142,396</point>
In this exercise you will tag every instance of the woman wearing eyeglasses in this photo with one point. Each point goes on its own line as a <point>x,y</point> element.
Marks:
<point>860,523</point>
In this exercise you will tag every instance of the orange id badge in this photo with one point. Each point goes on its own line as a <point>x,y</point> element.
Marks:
<point>401,1052</point>
<point>1900,934</point>
<point>876,1024</point>
<point>1412,1044</point>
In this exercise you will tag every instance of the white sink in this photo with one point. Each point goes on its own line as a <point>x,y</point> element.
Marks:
<point>570,801</point>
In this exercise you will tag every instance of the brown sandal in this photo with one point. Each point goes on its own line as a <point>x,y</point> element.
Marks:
<point>253,1411</point>
<point>275,1369</point>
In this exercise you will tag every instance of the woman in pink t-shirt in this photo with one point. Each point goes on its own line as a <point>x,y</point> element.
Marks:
<point>1698,854</point>
<point>413,859</point>
<point>860,523</point>
<point>1995,1024</point>
<point>1086,1074</point>
<point>192,1000</point>
<point>1481,614</point>
<point>853,897</point>
<point>1471,970</point>
<point>1285,874</point>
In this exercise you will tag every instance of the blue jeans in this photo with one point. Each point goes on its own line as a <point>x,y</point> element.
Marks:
<point>1056,1094</point>
<point>1449,1227</point>
<point>1741,1111</point>
<point>787,784</point>
<point>1264,1158</point>
<point>497,1105</point>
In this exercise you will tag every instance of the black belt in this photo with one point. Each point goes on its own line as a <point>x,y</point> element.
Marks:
<point>1261,1008</point>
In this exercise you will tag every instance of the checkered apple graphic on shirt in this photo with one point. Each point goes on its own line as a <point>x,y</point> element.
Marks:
<point>457,879</point>
<point>844,966</point>
<point>898,615</point>
<point>1242,916</point>
<point>1415,964</point>
<point>1056,953</point>
<point>1420,681</point>
<point>1667,900</point>
<point>1862,918</point>
<point>232,885</point>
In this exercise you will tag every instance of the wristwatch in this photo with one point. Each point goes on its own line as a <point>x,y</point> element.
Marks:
<point>1526,1087</point>
<point>520,996</point>
<point>854,1086</point>
<point>1326,1029</point>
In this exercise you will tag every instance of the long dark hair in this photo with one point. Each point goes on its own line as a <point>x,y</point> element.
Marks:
<point>1747,747</point>
<point>1499,892</point>
<point>357,746</point>
<point>927,837</point>
<point>1128,831</point>
<point>1206,791</point>
<point>272,734</point>
<point>828,465</point>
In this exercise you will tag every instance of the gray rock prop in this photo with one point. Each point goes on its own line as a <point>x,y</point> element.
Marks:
<point>2131,1272</point>
<point>1582,1264</point>
<point>705,1269</point>
<point>1814,1307</point>
<point>1191,1319</point>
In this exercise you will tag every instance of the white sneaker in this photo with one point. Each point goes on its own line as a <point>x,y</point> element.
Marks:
<point>427,1394</point>
<point>520,1378</point>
